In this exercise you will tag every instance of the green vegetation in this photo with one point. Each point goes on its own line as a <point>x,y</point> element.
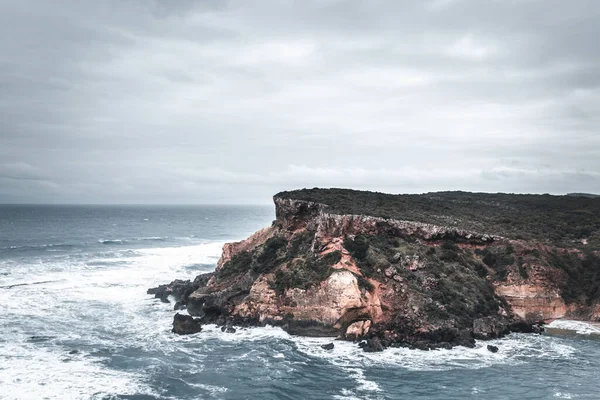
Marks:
<point>449,276</point>
<point>558,220</point>
<point>239,263</point>
<point>271,253</point>
<point>303,274</point>
<point>357,247</point>
<point>583,276</point>
<point>293,264</point>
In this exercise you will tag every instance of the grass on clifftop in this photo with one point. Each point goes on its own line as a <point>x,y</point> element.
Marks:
<point>558,220</point>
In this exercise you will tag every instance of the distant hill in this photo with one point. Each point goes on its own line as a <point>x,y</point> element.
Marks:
<point>590,195</point>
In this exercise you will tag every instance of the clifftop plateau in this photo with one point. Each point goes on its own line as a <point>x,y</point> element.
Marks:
<point>425,271</point>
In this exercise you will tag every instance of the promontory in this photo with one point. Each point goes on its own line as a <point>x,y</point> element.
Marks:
<point>425,271</point>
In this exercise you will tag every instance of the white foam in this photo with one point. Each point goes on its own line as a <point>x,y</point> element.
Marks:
<point>561,395</point>
<point>112,298</point>
<point>514,349</point>
<point>31,372</point>
<point>364,385</point>
<point>245,334</point>
<point>579,327</point>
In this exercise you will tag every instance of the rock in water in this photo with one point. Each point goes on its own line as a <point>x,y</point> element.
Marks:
<point>493,349</point>
<point>372,345</point>
<point>186,325</point>
<point>328,346</point>
<point>228,329</point>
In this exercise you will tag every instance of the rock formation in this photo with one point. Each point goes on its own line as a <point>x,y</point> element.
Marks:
<point>383,281</point>
<point>186,325</point>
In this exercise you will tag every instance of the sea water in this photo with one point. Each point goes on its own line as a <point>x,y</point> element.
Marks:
<point>76,323</point>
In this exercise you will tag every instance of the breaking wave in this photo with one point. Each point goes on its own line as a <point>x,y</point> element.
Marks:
<point>579,327</point>
<point>133,240</point>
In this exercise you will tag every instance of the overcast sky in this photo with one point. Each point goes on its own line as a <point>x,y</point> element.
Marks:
<point>233,101</point>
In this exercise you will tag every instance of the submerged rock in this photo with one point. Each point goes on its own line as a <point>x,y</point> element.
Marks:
<point>228,329</point>
<point>186,324</point>
<point>328,346</point>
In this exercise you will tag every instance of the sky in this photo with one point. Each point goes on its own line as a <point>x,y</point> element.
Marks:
<point>233,101</point>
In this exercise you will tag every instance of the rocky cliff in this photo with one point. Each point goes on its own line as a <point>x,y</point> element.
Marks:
<point>343,263</point>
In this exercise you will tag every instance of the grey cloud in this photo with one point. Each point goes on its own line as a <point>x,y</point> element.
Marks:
<point>230,101</point>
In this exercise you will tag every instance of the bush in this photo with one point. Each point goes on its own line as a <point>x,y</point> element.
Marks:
<point>449,245</point>
<point>357,247</point>
<point>269,255</point>
<point>239,263</point>
<point>305,273</point>
<point>449,255</point>
<point>364,283</point>
<point>523,272</point>
<point>489,259</point>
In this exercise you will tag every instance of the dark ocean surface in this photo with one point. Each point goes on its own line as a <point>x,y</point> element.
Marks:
<point>76,323</point>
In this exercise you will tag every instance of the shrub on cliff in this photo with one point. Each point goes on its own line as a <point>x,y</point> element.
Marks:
<point>271,252</point>
<point>239,263</point>
<point>357,247</point>
<point>304,273</point>
<point>500,258</point>
<point>583,276</point>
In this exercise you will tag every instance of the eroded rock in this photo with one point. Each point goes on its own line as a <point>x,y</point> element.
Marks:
<point>186,324</point>
<point>328,346</point>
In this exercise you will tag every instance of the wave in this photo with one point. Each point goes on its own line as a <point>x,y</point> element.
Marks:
<point>64,246</point>
<point>89,380</point>
<point>514,349</point>
<point>133,240</point>
<point>110,241</point>
<point>579,327</point>
<point>40,246</point>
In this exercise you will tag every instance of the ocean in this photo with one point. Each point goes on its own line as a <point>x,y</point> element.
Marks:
<point>76,323</point>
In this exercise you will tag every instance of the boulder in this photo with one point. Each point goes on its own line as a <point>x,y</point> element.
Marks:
<point>493,349</point>
<point>228,329</point>
<point>489,328</point>
<point>179,289</point>
<point>186,325</point>
<point>372,345</point>
<point>328,346</point>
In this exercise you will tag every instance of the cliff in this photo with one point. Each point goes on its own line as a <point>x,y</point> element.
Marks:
<point>431,270</point>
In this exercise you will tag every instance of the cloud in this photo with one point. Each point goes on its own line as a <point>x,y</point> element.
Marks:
<point>227,101</point>
<point>471,48</point>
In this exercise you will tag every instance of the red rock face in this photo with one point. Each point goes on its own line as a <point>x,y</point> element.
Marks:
<point>540,295</point>
<point>534,301</point>
<point>257,239</point>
